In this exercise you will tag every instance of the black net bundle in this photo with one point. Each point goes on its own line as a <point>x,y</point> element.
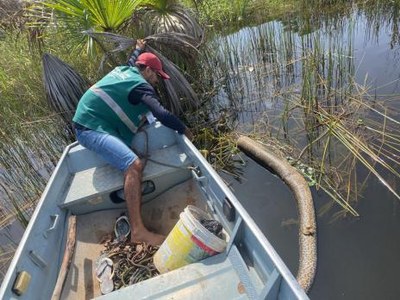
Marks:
<point>213,226</point>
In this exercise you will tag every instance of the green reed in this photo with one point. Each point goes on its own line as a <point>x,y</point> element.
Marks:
<point>301,89</point>
<point>6,255</point>
<point>27,160</point>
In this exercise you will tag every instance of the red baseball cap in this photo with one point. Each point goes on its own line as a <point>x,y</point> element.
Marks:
<point>150,60</point>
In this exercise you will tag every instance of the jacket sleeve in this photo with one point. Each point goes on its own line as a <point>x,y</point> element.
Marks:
<point>132,59</point>
<point>145,93</point>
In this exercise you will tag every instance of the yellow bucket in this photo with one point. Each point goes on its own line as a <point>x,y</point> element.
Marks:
<point>189,241</point>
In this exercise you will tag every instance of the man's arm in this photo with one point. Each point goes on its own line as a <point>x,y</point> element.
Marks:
<point>145,93</point>
<point>139,48</point>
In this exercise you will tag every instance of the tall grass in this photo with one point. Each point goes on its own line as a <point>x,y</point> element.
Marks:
<point>31,136</point>
<point>221,12</point>
<point>27,161</point>
<point>306,84</point>
<point>6,254</point>
<point>29,151</point>
<point>20,84</point>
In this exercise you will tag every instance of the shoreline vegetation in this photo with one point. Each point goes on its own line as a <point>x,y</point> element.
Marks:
<point>326,125</point>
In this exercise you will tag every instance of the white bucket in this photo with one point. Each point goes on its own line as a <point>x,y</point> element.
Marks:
<point>189,241</point>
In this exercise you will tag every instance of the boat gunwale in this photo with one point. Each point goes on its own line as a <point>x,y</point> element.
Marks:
<point>193,152</point>
<point>12,268</point>
<point>265,244</point>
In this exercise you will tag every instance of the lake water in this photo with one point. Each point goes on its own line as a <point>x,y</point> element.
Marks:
<point>358,257</point>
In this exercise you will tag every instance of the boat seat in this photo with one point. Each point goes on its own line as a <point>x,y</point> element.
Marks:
<point>92,186</point>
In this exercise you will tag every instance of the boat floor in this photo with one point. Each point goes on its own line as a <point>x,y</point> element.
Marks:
<point>160,215</point>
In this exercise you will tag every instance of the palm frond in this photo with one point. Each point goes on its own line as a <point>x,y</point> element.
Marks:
<point>63,85</point>
<point>171,18</point>
<point>111,42</point>
<point>113,46</point>
<point>180,43</point>
<point>99,14</point>
<point>179,93</point>
<point>78,15</point>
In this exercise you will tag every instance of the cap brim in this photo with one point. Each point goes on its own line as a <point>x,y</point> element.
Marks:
<point>163,74</point>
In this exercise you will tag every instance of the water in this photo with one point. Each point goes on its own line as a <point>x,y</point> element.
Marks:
<point>10,236</point>
<point>375,59</point>
<point>358,258</point>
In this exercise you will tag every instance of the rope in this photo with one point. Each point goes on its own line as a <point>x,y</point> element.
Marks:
<point>146,156</point>
<point>133,262</point>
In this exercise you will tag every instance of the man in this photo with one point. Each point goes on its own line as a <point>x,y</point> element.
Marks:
<point>108,115</point>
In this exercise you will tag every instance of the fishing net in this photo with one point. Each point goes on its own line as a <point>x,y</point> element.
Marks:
<point>132,262</point>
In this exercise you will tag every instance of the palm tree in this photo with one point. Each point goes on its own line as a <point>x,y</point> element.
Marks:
<point>163,16</point>
<point>179,94</point>
<point>98,15</point>
<point>76,16</point>
<point>156,16</point>
<point>101,20</point>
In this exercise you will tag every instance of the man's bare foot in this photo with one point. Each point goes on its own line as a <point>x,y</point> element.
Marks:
<point>147,237</point>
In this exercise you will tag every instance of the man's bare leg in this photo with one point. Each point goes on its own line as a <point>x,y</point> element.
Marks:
<point>133,196</point>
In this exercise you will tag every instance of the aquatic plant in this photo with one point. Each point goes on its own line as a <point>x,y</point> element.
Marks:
<point>26,164</point>
<point>6,255</point>
<point>220,13</point>
<point>301,90</point>
<point>220,150</point>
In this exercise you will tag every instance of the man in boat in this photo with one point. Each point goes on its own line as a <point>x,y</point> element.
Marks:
<point>108,116</point>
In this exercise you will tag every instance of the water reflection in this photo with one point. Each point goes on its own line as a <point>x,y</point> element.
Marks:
<point>357,257</point>
<point>319,93</point>
<point>268,58</point>
<point>347,57</point>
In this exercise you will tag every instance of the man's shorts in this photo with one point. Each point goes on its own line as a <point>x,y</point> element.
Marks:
<point>109,147</point>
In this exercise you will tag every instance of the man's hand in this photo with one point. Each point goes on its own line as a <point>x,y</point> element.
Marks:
<point>140,44</point>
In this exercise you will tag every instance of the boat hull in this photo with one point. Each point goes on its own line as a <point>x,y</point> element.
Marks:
<point>250,267</point>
